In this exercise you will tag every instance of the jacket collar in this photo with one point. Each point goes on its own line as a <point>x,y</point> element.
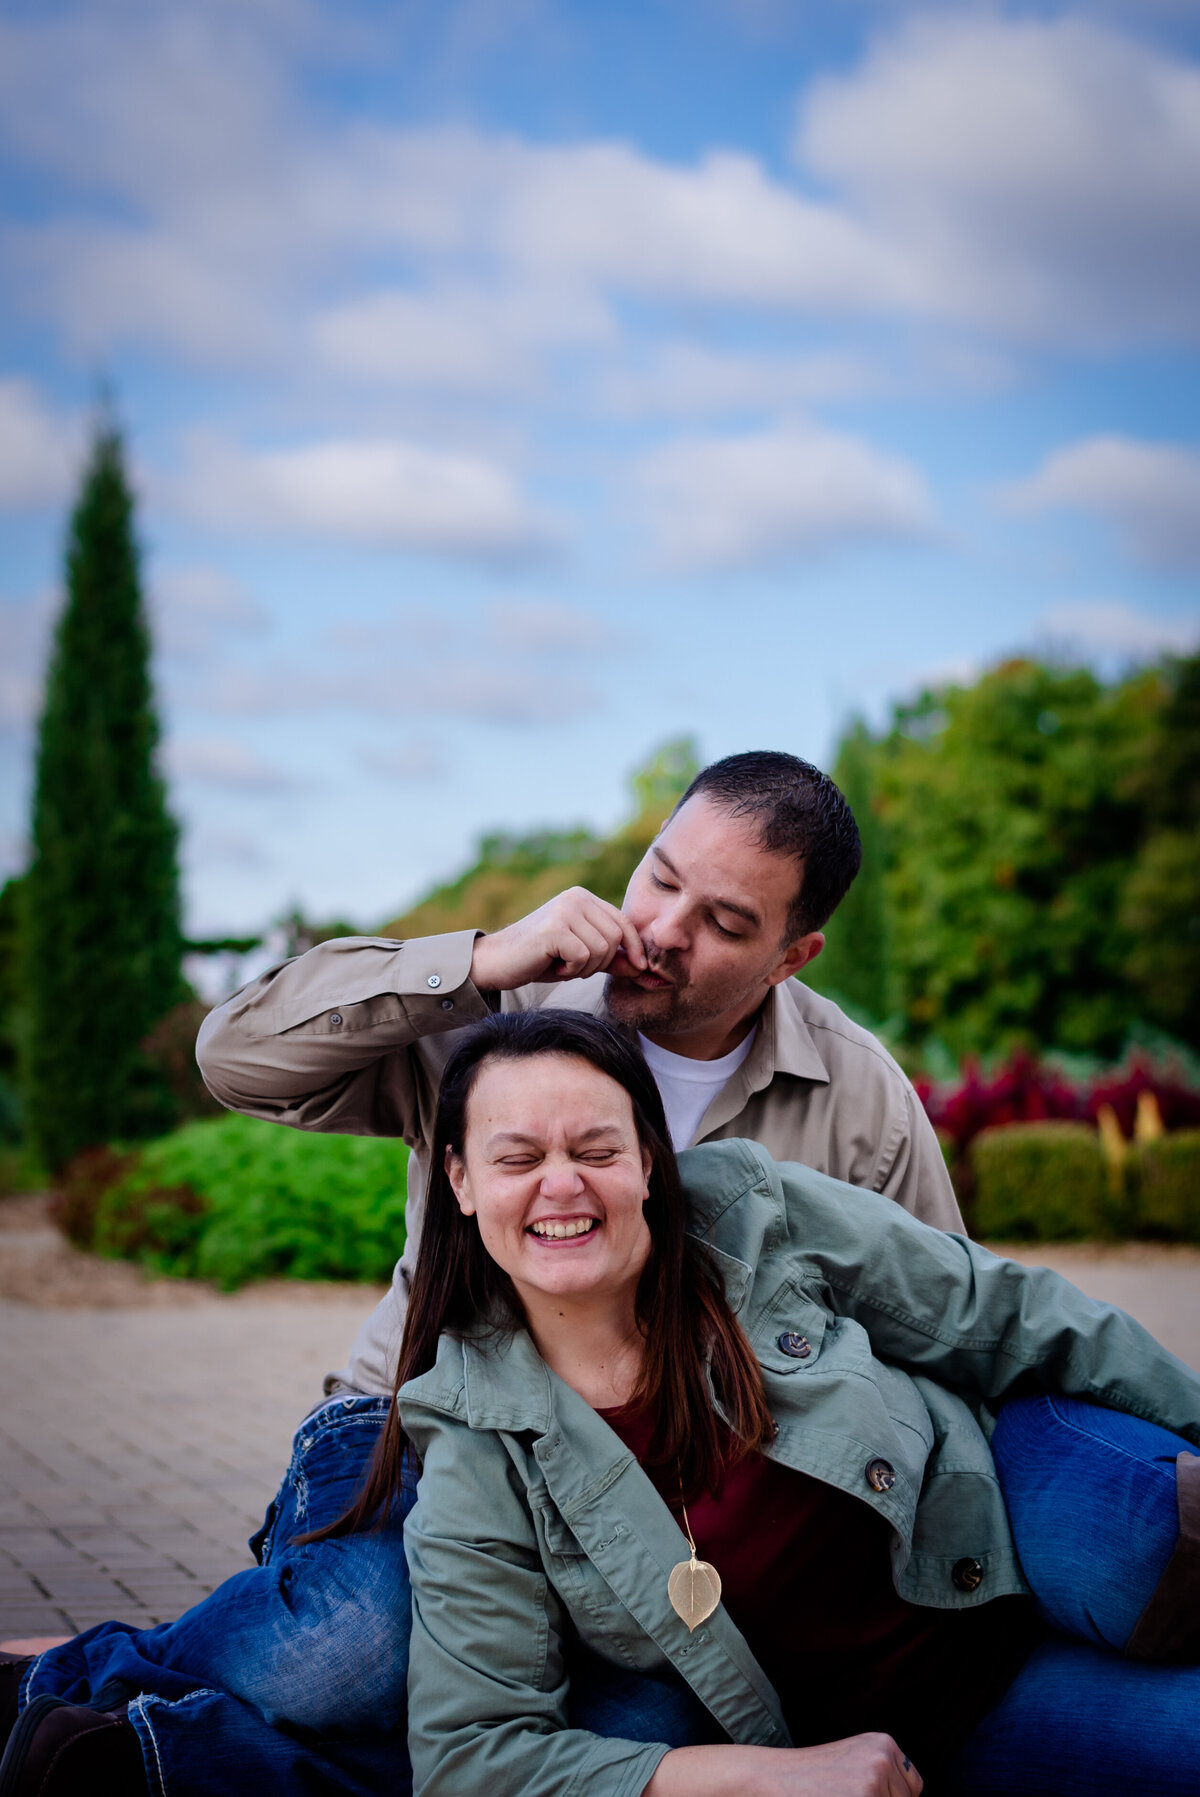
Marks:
<point>506,1383</point>
<point>783,1044</point>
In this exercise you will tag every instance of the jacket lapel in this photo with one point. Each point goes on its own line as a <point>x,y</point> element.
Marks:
<point>630,1536</point>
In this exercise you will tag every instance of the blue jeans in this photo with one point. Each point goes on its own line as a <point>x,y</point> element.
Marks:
<point>1091,1497</point>
<point>290,1676</point>
<point>1091,1494</point>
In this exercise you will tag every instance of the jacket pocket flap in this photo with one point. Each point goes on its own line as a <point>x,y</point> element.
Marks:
<point>789,1334</point>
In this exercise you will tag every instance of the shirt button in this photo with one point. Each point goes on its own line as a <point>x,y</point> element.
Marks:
<point>881,1475</point>
<point>447,1004</point>
<point>796,1347</point>
<point>434,980</point>
<point>967,1575</point>
<point>335,1017</point>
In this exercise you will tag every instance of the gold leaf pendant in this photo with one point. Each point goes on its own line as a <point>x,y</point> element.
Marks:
<point>694,1589</point>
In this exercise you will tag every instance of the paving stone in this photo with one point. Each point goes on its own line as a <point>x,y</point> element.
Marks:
<point>137,1460</point>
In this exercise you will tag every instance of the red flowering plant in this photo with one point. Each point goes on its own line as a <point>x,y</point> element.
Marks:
<point>1024,1089</point>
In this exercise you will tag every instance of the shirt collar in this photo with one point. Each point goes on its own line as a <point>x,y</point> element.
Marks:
<point>792,1049</point>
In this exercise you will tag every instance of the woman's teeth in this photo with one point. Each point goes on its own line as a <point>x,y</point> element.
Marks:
<point>580,1226</point>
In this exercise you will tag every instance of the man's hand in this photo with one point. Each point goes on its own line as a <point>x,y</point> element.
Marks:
<point>565,939</point>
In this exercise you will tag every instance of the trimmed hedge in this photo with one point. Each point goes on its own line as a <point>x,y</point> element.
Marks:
<point>1166,1183</point>
<point>232,1199</point>
<point>1040,1182</point>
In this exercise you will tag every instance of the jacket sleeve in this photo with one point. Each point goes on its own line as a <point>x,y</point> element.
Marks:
<point>944,1306</point>
<point>329,1041</point>
<point>487,1685</point>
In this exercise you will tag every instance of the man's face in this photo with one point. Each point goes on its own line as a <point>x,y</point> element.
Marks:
<point>710,905</point>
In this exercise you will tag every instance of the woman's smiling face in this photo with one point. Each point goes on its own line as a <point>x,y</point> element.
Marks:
<point>554,1174</point>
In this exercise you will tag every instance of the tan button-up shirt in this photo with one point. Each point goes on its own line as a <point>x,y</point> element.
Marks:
<point>353,1037</point>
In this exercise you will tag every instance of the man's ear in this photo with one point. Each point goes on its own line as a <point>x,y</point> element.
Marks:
<point>796,955</point>
<point>460,1185</point>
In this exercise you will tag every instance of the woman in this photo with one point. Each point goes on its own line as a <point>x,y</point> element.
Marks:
<point>800,1388</point>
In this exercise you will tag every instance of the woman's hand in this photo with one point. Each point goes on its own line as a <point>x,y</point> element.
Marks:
<point>863,1766</point>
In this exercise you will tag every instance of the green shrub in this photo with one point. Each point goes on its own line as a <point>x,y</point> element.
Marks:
<point>1166,1181</point>
<point>1040,1182</point>
<point>232,1199</point>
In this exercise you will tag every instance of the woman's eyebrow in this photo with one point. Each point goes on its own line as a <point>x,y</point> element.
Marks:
<point>585,1135</point>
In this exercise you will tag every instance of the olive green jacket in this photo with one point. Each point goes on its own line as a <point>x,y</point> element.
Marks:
<point>534,1520</point>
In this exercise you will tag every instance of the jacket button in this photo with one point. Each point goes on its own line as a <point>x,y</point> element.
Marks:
<point>434,980</point>
<point>796,1347</point>
<point>881,1475</point>
<point>967,1575</point>
<point>447,1004</point>
<point>335,1017</point>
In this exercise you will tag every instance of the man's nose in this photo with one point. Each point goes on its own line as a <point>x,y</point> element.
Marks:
<point>669,930</point>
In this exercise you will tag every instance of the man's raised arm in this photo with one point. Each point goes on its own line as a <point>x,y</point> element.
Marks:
<point>303,1043</point>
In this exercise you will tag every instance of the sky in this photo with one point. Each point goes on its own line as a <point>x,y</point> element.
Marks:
<point>512,385</point>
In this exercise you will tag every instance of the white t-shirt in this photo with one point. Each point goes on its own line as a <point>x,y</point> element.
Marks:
<point>688,1087</point>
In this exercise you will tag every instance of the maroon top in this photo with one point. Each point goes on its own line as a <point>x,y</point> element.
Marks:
<point>806,1575</point>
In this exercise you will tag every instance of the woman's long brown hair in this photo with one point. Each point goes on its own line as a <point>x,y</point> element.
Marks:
<point>688,1327</point>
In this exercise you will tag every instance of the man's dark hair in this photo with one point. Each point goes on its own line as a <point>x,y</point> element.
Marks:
<point>799,812</point>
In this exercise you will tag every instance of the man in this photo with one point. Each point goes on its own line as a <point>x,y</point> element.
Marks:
<point>725,908</point>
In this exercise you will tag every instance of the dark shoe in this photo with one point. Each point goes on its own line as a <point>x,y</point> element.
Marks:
<point>12,1671</point>
<point>60,1749</point>
<point>1168,1629</point>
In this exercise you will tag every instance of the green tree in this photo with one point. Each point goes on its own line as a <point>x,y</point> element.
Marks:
<point>10,1009</point>
<point>101,936</point>
<point>854,965</point>
<point>1014,821</point>
<point>1161,903</point>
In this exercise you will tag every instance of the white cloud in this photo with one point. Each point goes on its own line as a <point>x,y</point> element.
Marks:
<point>414,761</point>
<point>226,763</point>
<point>481,686</point>
<point>1043,172</point>
<point>546,627</point>
<point>456,338</point>
<point>380,491</point>
<point>194,610</point>
<point>683,380</point>
<point>1109,628</point>
<point>1026,176</point>
<point>746,501</point>
<point>40,451</point>
<point>1149,491</point>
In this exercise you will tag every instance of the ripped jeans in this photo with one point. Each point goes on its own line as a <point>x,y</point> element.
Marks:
<point>313,1640</point>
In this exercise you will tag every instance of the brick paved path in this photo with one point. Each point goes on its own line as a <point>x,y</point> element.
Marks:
<point>139,1448</point>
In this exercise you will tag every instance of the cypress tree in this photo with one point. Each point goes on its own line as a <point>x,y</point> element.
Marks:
<point>102,943</point>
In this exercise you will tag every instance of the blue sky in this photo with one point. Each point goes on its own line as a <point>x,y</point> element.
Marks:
<point>513,384</point>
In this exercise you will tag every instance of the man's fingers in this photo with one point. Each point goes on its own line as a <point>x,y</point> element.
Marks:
<point>620,933</point>
<point>571,955</point>
<point>584,936</point>
<point>631,943</point>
